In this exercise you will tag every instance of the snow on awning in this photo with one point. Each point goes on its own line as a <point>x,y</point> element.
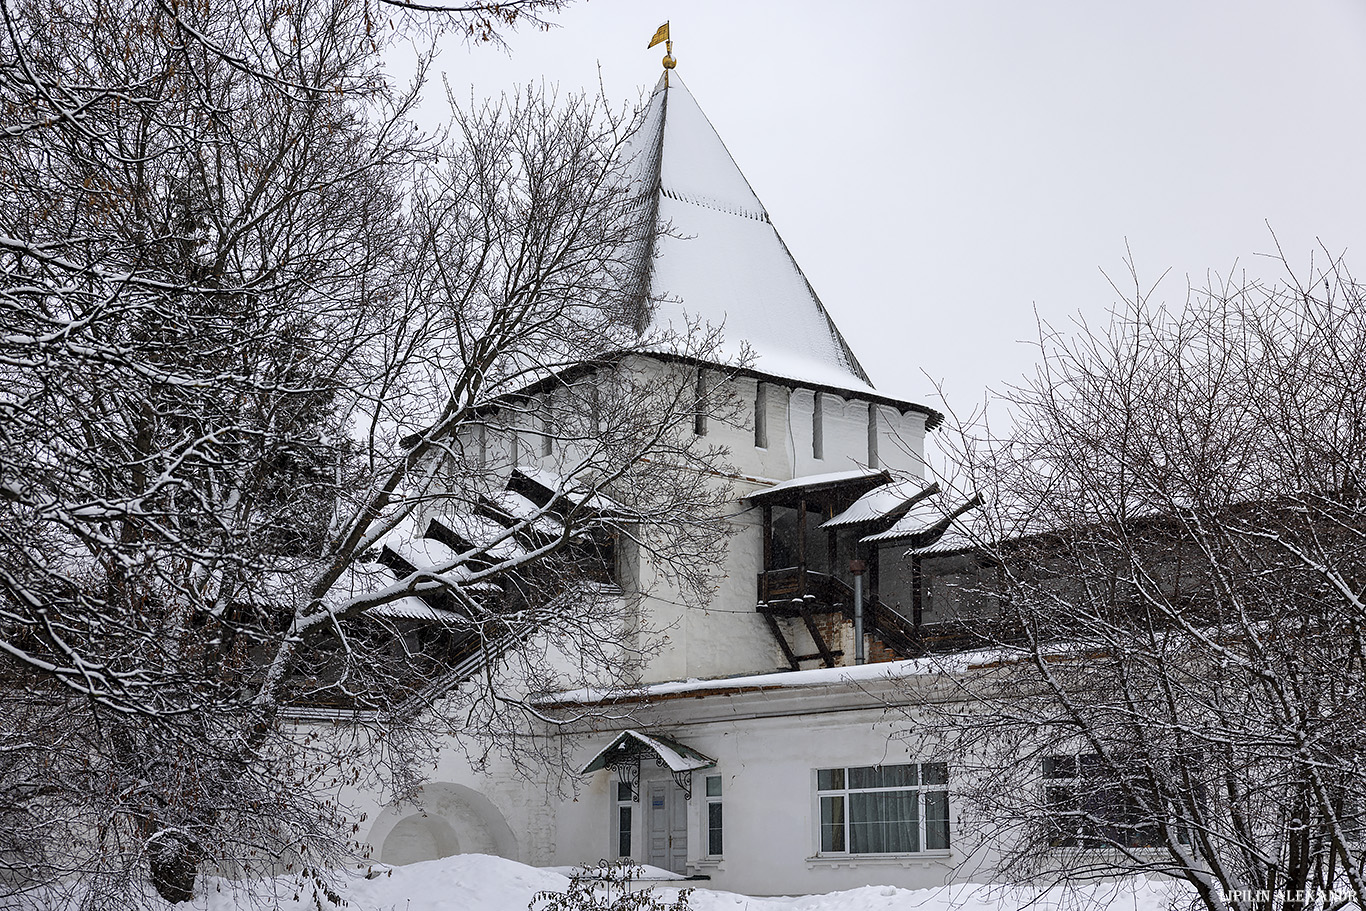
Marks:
<point>425,554</point>
<point>411,608</point>
<point>919,518</point>
<point>952,541</point>
<point>552,484</point>
<point>924,518</point>
<point>858,478</point>
<point>631,745</point>
<point>481,532</point>
<point>521,509</point>
<point>365,578</point>
<point>883,502</point>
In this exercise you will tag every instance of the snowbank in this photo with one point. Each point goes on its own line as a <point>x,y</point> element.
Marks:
<point>478,882</point>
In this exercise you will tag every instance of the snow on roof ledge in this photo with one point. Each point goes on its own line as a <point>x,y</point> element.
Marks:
<point>818,481</point>
<point>855,676</point>
<point>882,502</point>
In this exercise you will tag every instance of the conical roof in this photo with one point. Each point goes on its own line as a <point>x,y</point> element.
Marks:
<point>722,262</point>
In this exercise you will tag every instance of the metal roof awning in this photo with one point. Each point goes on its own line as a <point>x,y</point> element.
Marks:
<point>625,753</point>
<point>923,524</point>
<point>857,481</point>
<point>886,503</point>
<point>915,521</point>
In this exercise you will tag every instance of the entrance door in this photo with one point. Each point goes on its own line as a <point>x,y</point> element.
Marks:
<point>666,827</point>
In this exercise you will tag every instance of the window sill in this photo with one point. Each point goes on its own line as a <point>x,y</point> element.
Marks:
<point>717,863</point>
<point>853,861</point>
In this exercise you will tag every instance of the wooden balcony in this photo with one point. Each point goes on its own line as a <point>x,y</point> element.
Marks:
<point>797,592</point>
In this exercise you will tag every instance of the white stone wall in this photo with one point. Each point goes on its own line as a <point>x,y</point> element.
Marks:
<point>767,762</point>
<point>728,637</point>
<point>767,757</point>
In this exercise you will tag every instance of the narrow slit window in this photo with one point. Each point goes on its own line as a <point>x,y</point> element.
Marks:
<point>818,427</point>
<point>699,404</point>
<point>872,435</point>
<point>547,427</point>
<point>761,415</point>
<point>480,445</point>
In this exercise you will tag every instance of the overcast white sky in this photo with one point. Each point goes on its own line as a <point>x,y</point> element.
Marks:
<point>942,169</point>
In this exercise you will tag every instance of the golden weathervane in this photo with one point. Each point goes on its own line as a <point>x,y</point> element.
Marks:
<point>662,34</point>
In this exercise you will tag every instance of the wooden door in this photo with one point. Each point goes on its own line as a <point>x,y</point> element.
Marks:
<point>666,827</point>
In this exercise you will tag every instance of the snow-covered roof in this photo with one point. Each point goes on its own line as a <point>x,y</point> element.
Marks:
<point>676,756</point>
<point>919,518</point>
<point>552,483</point>
<point>424,554</point>
<point>479,531</point>
<point>856,675</point>
<point>723,262</point>
<point>953,541</point>
<point>818,481</point>
<point>879,503</point>
<point>365,578</point>
<point>520,508</point>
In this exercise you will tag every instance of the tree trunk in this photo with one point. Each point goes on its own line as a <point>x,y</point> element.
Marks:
<point>173,860</point>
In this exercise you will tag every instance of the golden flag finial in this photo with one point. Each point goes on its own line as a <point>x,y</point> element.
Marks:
<point>662,34</point>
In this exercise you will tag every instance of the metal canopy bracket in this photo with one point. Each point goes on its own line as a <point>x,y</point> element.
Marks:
<point>628,773</point>
<point>623,756</point>
<point>681,777</point>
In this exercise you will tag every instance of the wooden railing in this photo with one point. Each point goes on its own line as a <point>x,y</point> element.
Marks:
<point>792,590</point>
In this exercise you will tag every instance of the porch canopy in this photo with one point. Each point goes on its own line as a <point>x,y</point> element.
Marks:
<point>625,753</point>
<point>853,484</point>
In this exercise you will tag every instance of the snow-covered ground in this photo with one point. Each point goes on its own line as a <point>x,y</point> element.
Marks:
<point>476,882</point>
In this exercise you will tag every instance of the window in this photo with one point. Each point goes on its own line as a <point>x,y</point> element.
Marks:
<point>872,435</point>
<point>547,426</point>
<point>1087,803</point>
<point>889,809</point>
<point>480,445</point>
<point>699,404</point>
<point>713,815</point>
<point>818,427</point>
<point>760,415</point>
<point>595,406</point>
<point>623,820</point>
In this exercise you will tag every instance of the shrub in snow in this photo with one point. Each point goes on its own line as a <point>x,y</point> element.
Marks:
<point>607,887</point>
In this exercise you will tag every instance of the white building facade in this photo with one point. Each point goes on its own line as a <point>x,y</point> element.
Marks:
<point>756,751</point>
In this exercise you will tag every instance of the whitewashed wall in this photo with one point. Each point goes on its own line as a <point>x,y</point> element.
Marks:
<point>768,746</point>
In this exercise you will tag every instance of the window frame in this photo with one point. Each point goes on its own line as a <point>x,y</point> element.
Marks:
<point>699,403</point>
<point>708,829</point>
<point>1089,791</point>
<point>760,415</point>
<point>924,792</point>
<point>818,426</point>
<point>623,835</point>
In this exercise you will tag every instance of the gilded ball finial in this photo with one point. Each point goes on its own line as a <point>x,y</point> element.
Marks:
<point>669,62</point>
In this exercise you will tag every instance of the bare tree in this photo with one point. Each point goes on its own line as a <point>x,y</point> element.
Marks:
<point>270,363</point>
<point>1177,528</point>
